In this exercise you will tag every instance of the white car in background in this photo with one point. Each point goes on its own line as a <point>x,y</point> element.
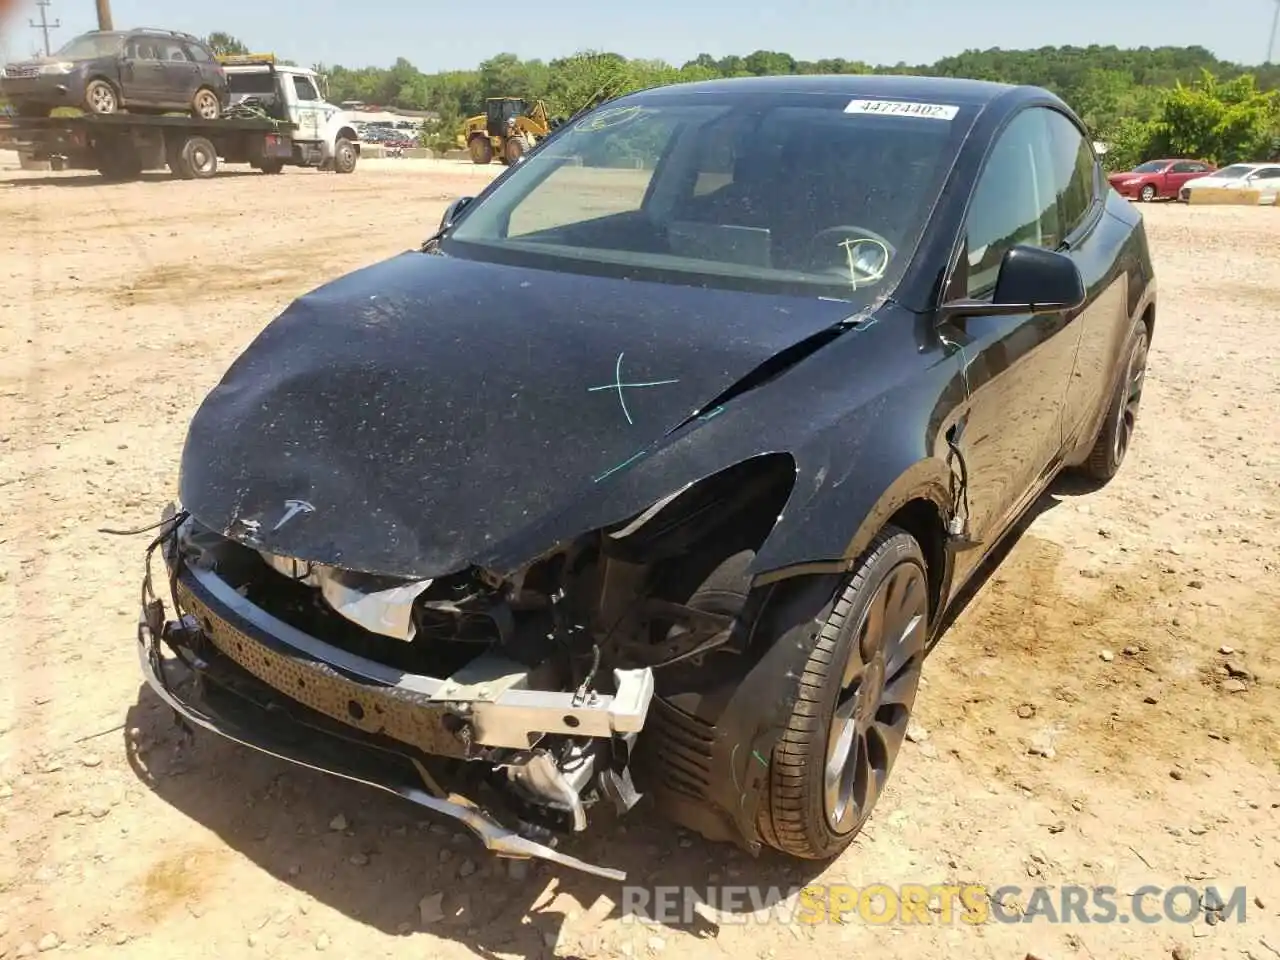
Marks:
<point>1263,177</point>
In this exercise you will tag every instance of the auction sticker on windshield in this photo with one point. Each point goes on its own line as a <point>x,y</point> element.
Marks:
<point>903,108</point>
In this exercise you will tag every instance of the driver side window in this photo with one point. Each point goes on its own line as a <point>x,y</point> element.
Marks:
<point>305,89</point>
<point>1015,201</point>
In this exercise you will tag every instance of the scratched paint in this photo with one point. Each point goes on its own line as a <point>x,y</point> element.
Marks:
<point>625,463</point>
<point>619,386</point>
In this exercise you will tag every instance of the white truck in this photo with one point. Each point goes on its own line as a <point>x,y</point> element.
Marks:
<point>323,134</point>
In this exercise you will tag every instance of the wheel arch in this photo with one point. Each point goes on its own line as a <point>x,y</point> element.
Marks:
<point>737,710</point>
<point>918,500</point>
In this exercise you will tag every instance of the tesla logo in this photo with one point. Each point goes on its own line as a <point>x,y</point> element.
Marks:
<point>620,386</point>
<point>291,509</point>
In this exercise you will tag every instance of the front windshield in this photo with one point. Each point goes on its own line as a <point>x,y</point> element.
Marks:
<point>796,193</point>
<point>91,46</point>
<point>1151,166</point>
<point>1231,173</point>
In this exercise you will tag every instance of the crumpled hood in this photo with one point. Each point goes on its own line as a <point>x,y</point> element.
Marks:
<point>417,413</point>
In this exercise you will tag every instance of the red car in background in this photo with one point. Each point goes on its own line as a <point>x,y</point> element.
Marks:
<point>1158,179</point>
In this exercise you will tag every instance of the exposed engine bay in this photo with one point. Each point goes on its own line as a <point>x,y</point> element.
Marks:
<point>518,700</point>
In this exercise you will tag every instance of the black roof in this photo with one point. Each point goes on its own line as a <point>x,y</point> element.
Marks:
<point>875,86</point>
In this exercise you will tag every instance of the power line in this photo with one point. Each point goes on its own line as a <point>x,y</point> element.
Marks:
<point>44,26</point>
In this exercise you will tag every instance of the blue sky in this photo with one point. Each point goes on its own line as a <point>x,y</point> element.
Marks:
<point>452,35</point>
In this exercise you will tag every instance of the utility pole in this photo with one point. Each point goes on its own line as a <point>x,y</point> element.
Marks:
<point>1275,21</point>
<point>44,26</point>
<point>104,15</point>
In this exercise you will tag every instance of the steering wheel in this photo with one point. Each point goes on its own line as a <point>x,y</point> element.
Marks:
<point>863,253</point>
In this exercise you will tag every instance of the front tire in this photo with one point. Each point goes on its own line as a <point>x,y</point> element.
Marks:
<point>344,156</point>
<point>515,148</point>
<point>856,689</point>
<point>1116,433</point>
<point>1147,193</point>
<point>100,97</point>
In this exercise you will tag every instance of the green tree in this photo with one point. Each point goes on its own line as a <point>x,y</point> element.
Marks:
<point>1223,122</point>
<point>225,45</point>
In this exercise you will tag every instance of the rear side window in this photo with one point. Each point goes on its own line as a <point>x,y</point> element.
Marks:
<point>172,50</point>
<point>254,83</point>
<point>1074,170</point>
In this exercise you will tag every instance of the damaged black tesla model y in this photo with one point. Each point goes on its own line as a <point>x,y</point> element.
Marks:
<point>655,469</point>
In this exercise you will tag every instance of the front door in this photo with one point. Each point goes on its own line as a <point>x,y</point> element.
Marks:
<point>142,72</point>
<point>308,108</point>
<point>1267,182</point>
<point>1017,367</point>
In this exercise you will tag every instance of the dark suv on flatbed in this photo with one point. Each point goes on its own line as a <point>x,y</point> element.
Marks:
<point>107,71</point>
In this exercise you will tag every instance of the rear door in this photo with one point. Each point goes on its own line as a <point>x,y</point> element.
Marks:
<point>181,77</point>
<point>1093,241</point>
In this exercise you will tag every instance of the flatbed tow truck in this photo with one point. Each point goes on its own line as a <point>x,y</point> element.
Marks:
<point>276,119</point>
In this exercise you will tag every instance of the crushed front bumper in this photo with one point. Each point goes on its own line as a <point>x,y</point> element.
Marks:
<point>240,720</point>
<point>260,682</point>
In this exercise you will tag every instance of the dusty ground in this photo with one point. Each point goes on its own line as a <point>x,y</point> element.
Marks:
<point>1097,642</point>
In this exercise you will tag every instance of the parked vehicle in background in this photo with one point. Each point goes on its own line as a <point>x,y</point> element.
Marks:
<point>324,135</point>
<point>276,118</point>
<point>1263,177</point>
<point>1158,179</point>
<point>104,72</point>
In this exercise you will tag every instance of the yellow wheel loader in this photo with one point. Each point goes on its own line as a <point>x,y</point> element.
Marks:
<point>506,129</point>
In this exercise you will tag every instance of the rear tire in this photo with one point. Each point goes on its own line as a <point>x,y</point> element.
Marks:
<point>1115,436</point>
<point>205,105</point>
<point>481,149</point>
<point>273,166</point>
<point>100,97</point>
<point>194,159</point>
<point>852,700</point>
<point>118,162</point>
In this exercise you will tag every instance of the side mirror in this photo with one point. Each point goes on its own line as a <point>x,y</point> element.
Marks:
<point>451,212</point>
<point>1031,280</point>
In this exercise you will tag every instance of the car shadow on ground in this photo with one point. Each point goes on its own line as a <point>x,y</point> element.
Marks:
<point>1063,488</point>
<point>96,180</point>
<point>376,858</point>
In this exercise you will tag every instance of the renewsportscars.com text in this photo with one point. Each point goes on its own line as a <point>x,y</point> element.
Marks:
<point>932,904</point>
